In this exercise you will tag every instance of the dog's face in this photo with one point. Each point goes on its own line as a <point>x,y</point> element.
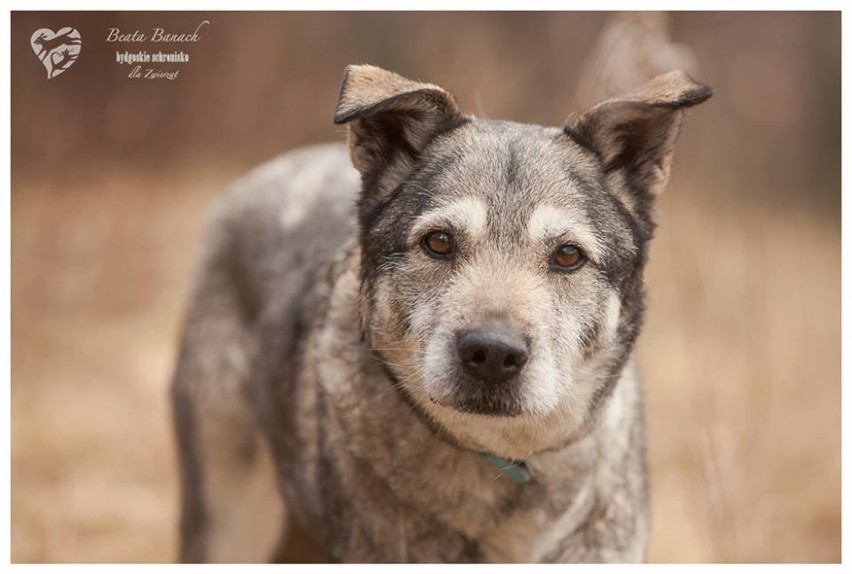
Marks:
<point>501,262</point>
<point>499,267</point>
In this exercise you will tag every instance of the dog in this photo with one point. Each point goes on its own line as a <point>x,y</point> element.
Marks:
<point>429,357</point>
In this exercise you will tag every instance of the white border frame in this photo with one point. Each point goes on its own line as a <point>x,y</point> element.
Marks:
<point>410,5</point>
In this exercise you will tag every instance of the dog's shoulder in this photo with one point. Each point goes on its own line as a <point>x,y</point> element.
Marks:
<point>289,194</point>
<point>272,227</point>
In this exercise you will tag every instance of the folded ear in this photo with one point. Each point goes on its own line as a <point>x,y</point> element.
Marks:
<point>634,135</point>
<point>390,117</point>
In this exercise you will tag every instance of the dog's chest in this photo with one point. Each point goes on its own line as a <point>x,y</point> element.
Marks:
<point>506,521</point>
<point>427,500</point>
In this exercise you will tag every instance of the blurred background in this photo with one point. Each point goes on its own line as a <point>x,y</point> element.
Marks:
<point>111,177</point>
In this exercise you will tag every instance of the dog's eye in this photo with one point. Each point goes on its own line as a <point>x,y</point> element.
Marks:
<point>437,244</point>
<point>567,258</point>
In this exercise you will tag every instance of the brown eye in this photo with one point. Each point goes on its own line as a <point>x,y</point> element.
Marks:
<point>437,243</point>
<point>567,258</point>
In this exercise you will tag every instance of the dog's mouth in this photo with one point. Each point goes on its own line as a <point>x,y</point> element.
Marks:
<point>487,402</point>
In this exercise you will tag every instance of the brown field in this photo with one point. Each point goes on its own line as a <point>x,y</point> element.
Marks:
<point>740,357</point>
<point>740,353</point>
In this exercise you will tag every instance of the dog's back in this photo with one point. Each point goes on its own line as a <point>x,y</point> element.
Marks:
<point>264,239</point>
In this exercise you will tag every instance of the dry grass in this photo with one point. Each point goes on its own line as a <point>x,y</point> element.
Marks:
<point>741,356</point>
<point>742,363</point>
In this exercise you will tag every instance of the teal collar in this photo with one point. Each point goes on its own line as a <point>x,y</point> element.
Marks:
<point>515,469</point>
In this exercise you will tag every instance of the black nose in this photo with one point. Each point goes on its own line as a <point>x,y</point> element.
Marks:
<point>492,354</point>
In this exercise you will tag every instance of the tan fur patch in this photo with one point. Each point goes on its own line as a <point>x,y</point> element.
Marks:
<point>548,221</point>
<point>468,215</point>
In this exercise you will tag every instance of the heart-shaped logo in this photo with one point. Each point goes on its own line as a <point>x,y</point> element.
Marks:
<point>56,50</point>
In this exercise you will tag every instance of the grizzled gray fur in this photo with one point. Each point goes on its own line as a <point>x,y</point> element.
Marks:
<point>358,338</point>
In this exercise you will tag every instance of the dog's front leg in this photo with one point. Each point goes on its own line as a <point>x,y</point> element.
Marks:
<point>612,533</point>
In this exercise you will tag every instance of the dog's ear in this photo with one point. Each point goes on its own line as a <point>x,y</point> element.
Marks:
<point>634,135</point>
<point>390,117</point>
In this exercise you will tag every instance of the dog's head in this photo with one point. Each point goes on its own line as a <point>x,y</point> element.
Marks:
<point>502,263</point>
